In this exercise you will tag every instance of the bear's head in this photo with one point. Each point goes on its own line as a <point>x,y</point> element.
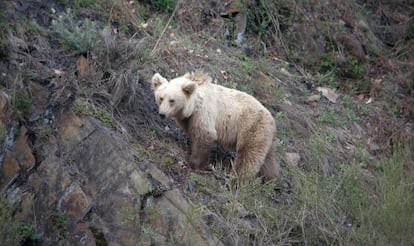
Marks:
<point>176,99</point>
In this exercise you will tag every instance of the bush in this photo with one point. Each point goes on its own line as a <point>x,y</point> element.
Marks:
<point>80,36</point>
<point>22,103</point>
<point>163,5</point>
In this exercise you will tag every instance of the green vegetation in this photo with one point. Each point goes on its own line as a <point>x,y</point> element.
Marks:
<point>58,219</point>
<point>163,157</point>
<point>386,218</point>
<point>4,41</point>
<point>329,117</point>
<point>13,232</point>
<point>27,233</point>
<point>338,209</point>
<point>77,5</point>
<point>163,5</point>
<point>85,108</point>
<point>197,179</point>
<point>75,35</point>
<point>22,103</point>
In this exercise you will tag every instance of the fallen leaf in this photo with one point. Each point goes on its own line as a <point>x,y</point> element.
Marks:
<point>82,65</point>
<point>328,93</point>
<point>369,101</point>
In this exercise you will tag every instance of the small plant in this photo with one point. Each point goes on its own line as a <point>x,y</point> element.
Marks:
<point>197,180</point>
<point>352,68</point>
<point>4,42</point>
<point>28,233</point>
<point>168,162</point>
<point>13,232</point>
<point>84,108</point>
<point>80,36</point>
<point>58,219</point>
<point>105,117</point>
<point>44,134</point>
<point>318,147</point>
<point>329,117</point>
<point>22,102</point>
<point>153,133</point>
<point>163,5</point>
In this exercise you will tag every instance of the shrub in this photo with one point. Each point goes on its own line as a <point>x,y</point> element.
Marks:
<point>22,103</point>
<point>80,36</point>
<point>163,5</point>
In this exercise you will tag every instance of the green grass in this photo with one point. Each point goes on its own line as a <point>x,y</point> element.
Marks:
<point>387,218</point>
<point>329,117</point>
<point>354,205</point>
<point>197,179</point>
<point>85,108</point>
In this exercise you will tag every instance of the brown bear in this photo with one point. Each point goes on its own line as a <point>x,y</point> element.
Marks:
<point>212,114</point>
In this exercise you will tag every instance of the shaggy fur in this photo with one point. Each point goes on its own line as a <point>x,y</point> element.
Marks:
<point>212,114</point>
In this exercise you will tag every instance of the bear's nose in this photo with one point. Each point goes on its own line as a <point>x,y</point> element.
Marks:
<point>162,115</point>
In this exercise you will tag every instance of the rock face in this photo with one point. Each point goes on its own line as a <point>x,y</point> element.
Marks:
<point>91,188</point>
<point>17,160</point>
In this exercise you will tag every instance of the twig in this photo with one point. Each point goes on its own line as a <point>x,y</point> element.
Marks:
<point>165,28</point>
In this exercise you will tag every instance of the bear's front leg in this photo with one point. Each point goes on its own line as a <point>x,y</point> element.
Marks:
<point>200,151</point>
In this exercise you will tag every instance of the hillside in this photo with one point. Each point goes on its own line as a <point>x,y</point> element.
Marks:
<point>86,160</point>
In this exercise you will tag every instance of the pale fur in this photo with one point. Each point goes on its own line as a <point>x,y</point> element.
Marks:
<point>212,114</point>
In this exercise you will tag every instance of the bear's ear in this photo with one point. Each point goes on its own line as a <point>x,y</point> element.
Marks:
<point>199,77</point>
<point>157,80</point>
<point>189,87</point>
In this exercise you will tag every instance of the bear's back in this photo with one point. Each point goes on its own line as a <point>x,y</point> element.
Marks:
<point>233,111</point>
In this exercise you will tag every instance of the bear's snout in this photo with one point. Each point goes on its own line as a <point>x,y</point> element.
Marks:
<point>162,115</point>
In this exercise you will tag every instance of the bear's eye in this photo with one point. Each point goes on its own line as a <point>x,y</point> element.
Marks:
<point>161,98</point>
<point>172,101</point>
